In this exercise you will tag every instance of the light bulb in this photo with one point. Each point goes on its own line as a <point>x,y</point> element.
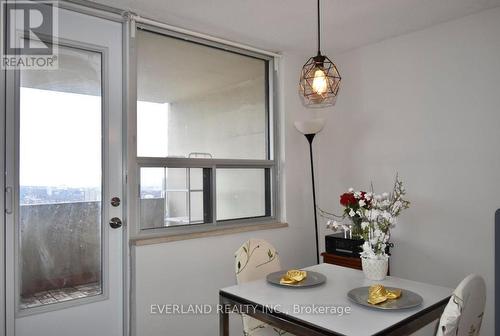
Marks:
<point>319,84</point>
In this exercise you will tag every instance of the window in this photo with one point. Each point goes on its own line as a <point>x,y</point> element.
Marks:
<point>204,153</point>
<point>174,196</point>
<point>242,193</point>
<point>60,180</point>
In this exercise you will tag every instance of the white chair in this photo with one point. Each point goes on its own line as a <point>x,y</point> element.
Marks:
<point>254,260</point>
<point>464,312</point>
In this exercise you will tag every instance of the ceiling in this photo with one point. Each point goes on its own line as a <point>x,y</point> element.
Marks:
<point>289,25</point>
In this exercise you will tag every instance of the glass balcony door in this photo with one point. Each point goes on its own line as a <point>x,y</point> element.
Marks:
<point>64,165</point>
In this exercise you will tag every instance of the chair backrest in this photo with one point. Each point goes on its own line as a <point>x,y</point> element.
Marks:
<point>255,259</point>
<point>464,312</point>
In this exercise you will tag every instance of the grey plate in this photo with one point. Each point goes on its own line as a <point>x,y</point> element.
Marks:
<point>312,279</point>
<point>407,300</point>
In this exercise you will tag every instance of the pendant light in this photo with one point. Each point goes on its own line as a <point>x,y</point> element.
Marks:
<point>320,79</point>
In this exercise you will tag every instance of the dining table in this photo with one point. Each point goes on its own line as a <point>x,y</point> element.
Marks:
<point>326,309</point>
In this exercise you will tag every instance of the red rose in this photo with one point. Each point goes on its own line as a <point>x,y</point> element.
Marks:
<point>347,199</point>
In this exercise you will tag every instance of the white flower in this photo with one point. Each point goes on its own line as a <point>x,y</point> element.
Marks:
<point>373,214</point>
<point>350,190</point>
<point>385,195</point>
<point>364,225</point>
<point>362,203</point>
<point>366,246</point>
<point>352,213</point>
<point>385,203</point>
<point>333,225</point>
<point>368,251</point>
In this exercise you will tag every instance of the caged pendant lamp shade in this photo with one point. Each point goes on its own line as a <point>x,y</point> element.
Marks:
<point>320,79</point>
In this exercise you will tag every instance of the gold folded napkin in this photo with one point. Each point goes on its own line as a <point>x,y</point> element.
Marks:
<point>292,277</point>
<point>378,294</point>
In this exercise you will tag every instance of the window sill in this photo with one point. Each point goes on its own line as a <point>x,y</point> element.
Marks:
<point>219,231</point>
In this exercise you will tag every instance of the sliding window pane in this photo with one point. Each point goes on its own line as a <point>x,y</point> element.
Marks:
<point>60,178</point>
<point>199,101</point>
<point>174,196</point>
<point>242,193</point>
<point>152,197</point>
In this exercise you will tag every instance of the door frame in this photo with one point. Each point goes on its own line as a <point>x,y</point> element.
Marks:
<point>128,252</point>
<point>8,308</point>
<point>3,104</point>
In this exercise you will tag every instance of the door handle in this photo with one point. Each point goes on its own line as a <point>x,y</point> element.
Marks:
<point>8,200</point>
<point>115,223</point>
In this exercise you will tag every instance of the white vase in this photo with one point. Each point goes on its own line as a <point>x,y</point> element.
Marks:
<point>375,269</point>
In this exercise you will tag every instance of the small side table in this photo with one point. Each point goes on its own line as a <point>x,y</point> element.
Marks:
<point>350,262</point>
<point>334,259</point>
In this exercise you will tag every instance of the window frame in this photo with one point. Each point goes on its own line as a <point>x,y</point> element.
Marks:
<point>135,163</point>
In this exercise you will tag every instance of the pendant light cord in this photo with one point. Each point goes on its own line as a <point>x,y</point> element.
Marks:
<point>319,31</point>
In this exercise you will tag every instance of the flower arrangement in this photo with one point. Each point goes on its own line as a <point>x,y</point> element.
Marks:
<point>372,216</point>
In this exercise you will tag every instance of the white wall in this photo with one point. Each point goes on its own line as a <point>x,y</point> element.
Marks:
<point>425,105</point>
<point>192,271</point>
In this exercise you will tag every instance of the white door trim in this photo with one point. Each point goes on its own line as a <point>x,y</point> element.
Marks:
<point>2,202</point>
